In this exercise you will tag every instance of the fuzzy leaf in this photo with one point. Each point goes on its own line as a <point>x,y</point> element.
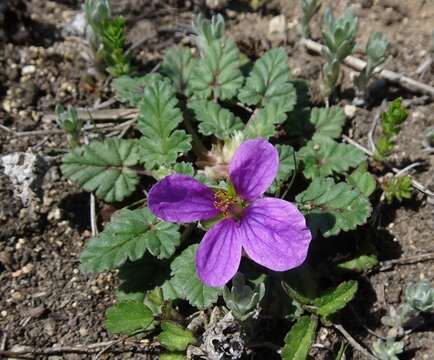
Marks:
<point>263,122</point>
<point>217,74</point>
<point>104,167</point>
<point>299,339</point>
<point>362,180</point>
<point>323,156</point>
<point>186,283</point>
<point>269,82</point>
<point>177,65</point>
<point>328,122</point>
<point>159,117</point>
<point>336,299</point>
<point>130,89</point>
<point>128,236</point>
<point>215,120</point>
<point>128,317</point>
<point>174,337</point>
<point>332,207</point>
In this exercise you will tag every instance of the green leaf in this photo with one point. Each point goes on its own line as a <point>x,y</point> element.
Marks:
<point>178,64</point>
<point>215,120</point>
<point>186,283</point>
<point>159,117</point>
<point>172,356</point>
<point>362,180</point>
<point>332,207</point>
<point>174,337</point>
<point>263,121</point>
<point>393,118</point>
<point>128,317</point>
<point>217,74</point>
<point>104,167</point>
<point>299,339</point>
<point>360,263</point>
<point>323,156</point>
<point>269,82</point>
<point>208,31</point>
<point>336,299</point>
<point>130,89</point>
<point>128,236</point>
<point>398,187</point>
<point>287,166</point>
<point>328,122</point>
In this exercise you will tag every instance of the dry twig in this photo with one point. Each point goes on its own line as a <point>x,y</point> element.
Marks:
<point>391,76</point>
<point>416,184</point>
<point>354,342</point>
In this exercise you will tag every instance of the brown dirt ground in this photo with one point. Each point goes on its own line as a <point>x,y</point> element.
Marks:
<point>45,300</point>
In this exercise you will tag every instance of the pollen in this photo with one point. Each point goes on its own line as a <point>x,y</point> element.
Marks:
<point>224,202</point>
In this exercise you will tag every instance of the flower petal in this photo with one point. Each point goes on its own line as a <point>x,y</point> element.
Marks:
<point>180,198</point>
<point>274,234</point>
<point>253,168</point>
<point>219,254</point>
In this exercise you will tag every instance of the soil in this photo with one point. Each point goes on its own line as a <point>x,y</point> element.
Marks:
<point>45,300</point>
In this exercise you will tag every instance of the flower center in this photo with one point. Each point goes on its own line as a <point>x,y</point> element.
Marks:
<point>228,204</point>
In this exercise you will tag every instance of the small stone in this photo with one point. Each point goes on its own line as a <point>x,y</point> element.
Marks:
<point>27,269</point>
<point>5,258</point>
<point>50,327</point>
<point>17,296</point>
<point>277,27</point>
<point>83,331</point>
<point>350,111</point>
<point>4,313</point>
<point>28,70</point>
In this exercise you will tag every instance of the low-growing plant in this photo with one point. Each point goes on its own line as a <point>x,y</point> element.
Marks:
<point>309,9</point>
<point>391,121</point>
<point>339,37</point>
<point>69,121</point>
<point>419,299</point>
<point>376,54</point>
<point>106,35</point>
<point>398,187</point>
<point>224,177</point>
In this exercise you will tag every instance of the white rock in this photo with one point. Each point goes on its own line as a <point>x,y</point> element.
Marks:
<point>28,70</point>
<point>350,111</point>
<point>277,27</point>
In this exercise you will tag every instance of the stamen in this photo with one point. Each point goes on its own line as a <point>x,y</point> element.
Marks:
<point>224,202</point>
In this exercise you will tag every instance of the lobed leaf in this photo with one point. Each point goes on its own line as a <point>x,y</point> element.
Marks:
<point>328,122</point>
<point>331,207</point>
<point>336,299</point>
<point>287,166</point>
<point>104,167</point>
<point>269,82</point>
<point>323,156</point>
<point>128,236</point>
<point>299,339</point>
<point>362,180</point>
<point>263,121</point>
<point>159,117</point>
<point>128,317</point>
<point>178,65</point>
<point>130,89</point>
<point>217,74</point>
<point>174,337</point>
<point>186,284</point>
<point>215,120</point>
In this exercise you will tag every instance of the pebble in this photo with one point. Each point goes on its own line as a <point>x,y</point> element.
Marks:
<point>350,111</point>
<point>277,27</point>
<point>4,313</point>
<point>27,269</point>
<point>17,296</point>
<point>28,70</point>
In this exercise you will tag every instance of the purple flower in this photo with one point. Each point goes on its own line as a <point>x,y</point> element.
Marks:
<point>272,232</point>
